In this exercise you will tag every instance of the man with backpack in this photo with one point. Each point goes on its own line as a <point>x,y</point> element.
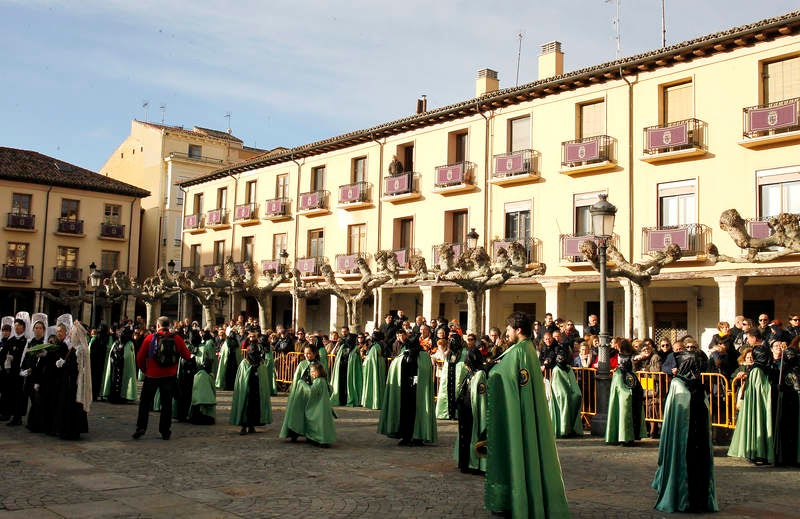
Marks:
<point>158,359</point>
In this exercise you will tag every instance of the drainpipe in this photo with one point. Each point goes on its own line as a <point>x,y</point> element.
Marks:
<point>296,238</point>
<point>233,227</point>
<point>44,248</point>
<point>486,199</point>
<point>375,306</point>
<point>128,263</point>
<point>631,177</point>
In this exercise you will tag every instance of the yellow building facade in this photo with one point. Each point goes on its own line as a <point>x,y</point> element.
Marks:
<point>674,137</point>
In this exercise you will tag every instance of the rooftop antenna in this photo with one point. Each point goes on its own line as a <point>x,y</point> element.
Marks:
<point>663,27</point>
<point>616,22</point>
<point>228,117</point>
<point>519,55</point>
<point>145,105</point>
<point>163,109</point>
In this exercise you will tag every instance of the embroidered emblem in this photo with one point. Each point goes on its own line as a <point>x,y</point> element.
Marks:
<point>524,376</point>
<point>481,388</point>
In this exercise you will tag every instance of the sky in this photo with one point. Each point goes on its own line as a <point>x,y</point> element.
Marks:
<point>75,73</point>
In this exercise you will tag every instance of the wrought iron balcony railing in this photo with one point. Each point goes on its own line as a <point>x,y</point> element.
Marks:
<point>70,226</point>
<point>571,243</point>
<point>675,136</point>
<point>112,230</point>
<point>347,263</point>
<point>18,272</point>
<point>401,184</point>
<point>768,119</point>
<point>310,267</point>
<point>521,162</point>
<point>245,212</point>
<point>458,248</point>
<point>313,200</point>
<point>210,271</point>
<point>217,216</point>
<point>455,174</point>
<point>691,238</point>
<point>586,151</point>
<point>192,222</point>
<point>67,274</point>
<point>357,192</point>
<point>276,207</point>
<point>197,158</point>
<point>532,247</point>
<point>21,221</point>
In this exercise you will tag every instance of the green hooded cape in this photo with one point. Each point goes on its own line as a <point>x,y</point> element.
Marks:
<point>619,427</point>
<point>355,379</point>
<point>129,389</point>
<point>477,395</point>
<point>374,378</point>
<point>226,356</point>
<point>204,394</point>
<point>299,392</point>
<point>752,437</point>
<point>442,402</point>
<point>565,403</point>
<point>319,413</point>
<point>425,421</point>
<point>242,386</point>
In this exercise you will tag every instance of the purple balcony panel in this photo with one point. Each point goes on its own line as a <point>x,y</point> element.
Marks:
<point>70,226</point>
<point>346,262</point>
<point>773,118</point>
<point>398,185</point>
<point>759,230</point>
<point>191,221</point>
<point>670,136</point>
<point>273,265</point>
<point>582,151</point>
<point>209,271</point>
<point>497,244</point>
<point>510,164</point>
<point>214,217</point>
<point>244,212</point>
<point>402,256</point>
<point>450,175</point>
<point>307,265</point>
<point>661,238</point>
<point>275,207</point>
<point>112,230</point>
<point>21,221</point>
<point>350,193</point>
<point>309,200</point>
<point>456,252</point>
<point>572,244</point>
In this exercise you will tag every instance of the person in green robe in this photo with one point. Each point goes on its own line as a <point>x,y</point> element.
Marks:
<point>99,346</point>
<point>347,376</point>
<point>408,410</point>
<point>787,413</point>
<point>453,372</point>
<point>319,428</point>
<point>269,361</point>
<point>523,472</point>
<point>753,435</point>
<point>294,419</point>
<point>374,383</point>
<point>565,397</point>
<point>251,404</point>
<point>203,408</point>
<point>471,404</point>
<point>230,358</point>
<point>119,382</point>
<point>684,479</point>
<point>625,422</point>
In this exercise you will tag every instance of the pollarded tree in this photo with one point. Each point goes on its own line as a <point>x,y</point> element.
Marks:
<point>785,234</point>
<point>250,285</point>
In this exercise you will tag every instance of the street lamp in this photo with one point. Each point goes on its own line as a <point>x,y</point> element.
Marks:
<point>603,213</point>
<point>171,266</point>
<point>284,259</point>
<point>472,239</point>
<point>95,279</point>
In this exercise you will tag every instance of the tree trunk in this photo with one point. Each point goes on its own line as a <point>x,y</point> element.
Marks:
<point>148,305</point>
<point>473,312</point>
<point>353,316</point>
<point>262,313</point>
<point>639,310</point>
<point>209,315</point>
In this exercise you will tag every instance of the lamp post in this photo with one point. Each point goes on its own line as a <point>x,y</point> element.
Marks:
<point>171,266</point>
<point>95,278</point>
<point>284,260</point>
<point>472,239</point>
<point>603,213</point>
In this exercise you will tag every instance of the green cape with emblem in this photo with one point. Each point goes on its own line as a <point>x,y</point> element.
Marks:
<point>226,356</point>
<point>374,378</point>
<point>477,399</point>
<point>442,401</point>
<point>355,378</point>
<point>425,419</point>
<point>129,389</point>
<point>619,427</point>
<point>752,438</point>
<point>241,388</point>
<point>565,403</point>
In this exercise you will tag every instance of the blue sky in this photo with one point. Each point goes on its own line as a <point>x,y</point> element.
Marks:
<point>291,72</point>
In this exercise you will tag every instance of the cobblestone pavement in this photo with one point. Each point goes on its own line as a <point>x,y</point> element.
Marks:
<point>211,471</point>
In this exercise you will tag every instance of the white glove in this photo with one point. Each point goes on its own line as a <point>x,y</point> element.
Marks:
<point>24,373</point>
<point>60,363</point>
<point>9,358</point>
<point>36,387</point>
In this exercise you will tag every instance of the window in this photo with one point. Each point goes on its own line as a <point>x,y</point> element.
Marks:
<point>194,258</point>
<point>222,198</point>
<point>403,233</point>
<point>219,252</point>
<point>677,203</point>
<point>17,254</point>
<point>248,244</point>
<point>778,191</point>
<point>109,260</point>
<point>195,151</point>
<point>67,257</point>
<point>356,238</point>
<point>21,204</point>
<point>316,243</point>
<point>781,79</point>
<point>282,186</point>
<point>519,134</point>
<point>359,169</point>
<point>318,178</point>
<point>279,244</point>
<point>457,147</point>
<point>69,209</point>
<point>178,192</point>
<point>677,101</point>
<point>198,203</point>
<point>250,192</point>
<point>405,154</point>
<point>112,213</point>
<point>583,220</point>
<point>176,239</point>
<point>455,226</point>
<point>518,221</point>
<point>591,119</point>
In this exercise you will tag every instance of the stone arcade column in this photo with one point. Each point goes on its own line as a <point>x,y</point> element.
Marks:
<point>430,301</point>
<point>730,296</point>
<point>554,293</point>
<point>299,312</point>
<point>337,314</point>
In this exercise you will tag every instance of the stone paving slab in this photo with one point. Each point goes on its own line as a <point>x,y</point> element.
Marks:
<point>211,471</point>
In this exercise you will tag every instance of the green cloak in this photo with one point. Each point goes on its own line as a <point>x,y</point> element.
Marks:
<point>374,378</point>
<point>477,396</point>
<point>565,403</point>
<point>129,389</point>
<point>442,402</point>
<point>672,476</point>
<point>299,391</point>
<point>355,379</point>
<point>269,362</point>
<point>752,438</point>
<point>425,419</point>
<point>619,427</point>
<point>523,473</point>
<point>242,386</point>
<point>226,356</point>
<point>204,394</point>
<point>319,414</point>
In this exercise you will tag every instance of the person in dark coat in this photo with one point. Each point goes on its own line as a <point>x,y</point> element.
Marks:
<point>14,401</point>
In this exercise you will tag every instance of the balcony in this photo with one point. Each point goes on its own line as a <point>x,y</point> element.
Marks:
<point>68,275</point>
<point>313,203</point>
<point>570,248</point>
<point>401,188</point>
<point>590,154</point>
<point>532,248</point>
<point>354,196</point>
<point>193,223</point>
<point>17,272</point>
<point>274,266</point>
<point>310,267</point>
<point>193,158</point>
<point>210,271</point>
<point>517,167</point>
<point>455,178</point>
<point>404,257</point>
<point>246,214</point>
<point>691,238</point>
<point>457,249</point>
<point>277,209</point>
<point>347,264</point>
<point>70,227</point>
<point>217,219</point>
<point>112,231</point>
<point>21,222</point>
<point>772,123</point>
<point>675,141</point>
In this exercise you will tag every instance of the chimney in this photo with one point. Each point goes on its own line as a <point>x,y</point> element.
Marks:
<point>487,82</point>
<point>551,60</point>
<point>422,104</point>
